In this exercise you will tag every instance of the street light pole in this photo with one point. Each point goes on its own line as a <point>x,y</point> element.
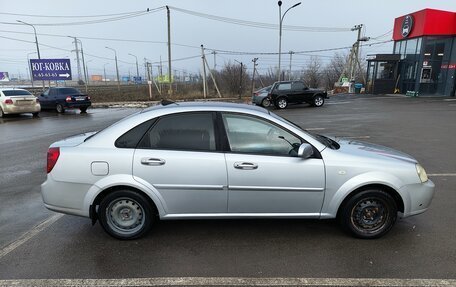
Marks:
<point>280,31</point>
<point>104,72</point>
<point>36,42</point>
<point>137,67</point>
<point>30,67</point>
<point>117,67</point>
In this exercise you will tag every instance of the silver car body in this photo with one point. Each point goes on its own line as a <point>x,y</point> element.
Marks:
<point>207,185</point>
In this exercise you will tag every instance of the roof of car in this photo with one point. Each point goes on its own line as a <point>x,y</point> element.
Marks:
<point>205,105</point>
<point>11,89</point>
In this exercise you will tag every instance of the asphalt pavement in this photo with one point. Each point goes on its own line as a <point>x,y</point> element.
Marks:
<point>420,247</point>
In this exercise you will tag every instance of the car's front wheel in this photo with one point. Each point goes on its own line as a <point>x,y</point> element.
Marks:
<point>126,214</point>
<point>83,110</point>
<point>318,101</point>
<point>368,214</point>
<point>281,103</point>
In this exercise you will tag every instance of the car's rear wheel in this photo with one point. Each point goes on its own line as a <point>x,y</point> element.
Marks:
<point>266,102</point>
<point>59,108</point>
<point>281,103</point>
<point>126,214</point>
<point>83,110</point>
<point>368,214</point>
<point>1,113</point>
<point>318,101</point>
<point>35,114</point>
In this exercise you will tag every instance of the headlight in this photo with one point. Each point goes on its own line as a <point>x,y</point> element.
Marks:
<point>421,173</point>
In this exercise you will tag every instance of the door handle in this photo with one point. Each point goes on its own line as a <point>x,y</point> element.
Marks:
<point>245,165</point>
<point>152,161</point>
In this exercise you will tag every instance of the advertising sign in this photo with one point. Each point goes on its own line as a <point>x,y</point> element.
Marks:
<point>4,77</point>
<point>50,69</point>
<point>96,78</point>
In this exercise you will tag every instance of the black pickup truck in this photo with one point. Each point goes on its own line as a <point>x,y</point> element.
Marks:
<point>287,92</point>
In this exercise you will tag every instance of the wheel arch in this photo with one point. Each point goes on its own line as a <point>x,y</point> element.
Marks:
<point>374,186</point>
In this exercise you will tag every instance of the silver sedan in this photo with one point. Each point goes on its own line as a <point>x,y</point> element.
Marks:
<point>220,160</point>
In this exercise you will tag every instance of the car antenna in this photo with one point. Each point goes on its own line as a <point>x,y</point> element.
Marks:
<point>166,102</point>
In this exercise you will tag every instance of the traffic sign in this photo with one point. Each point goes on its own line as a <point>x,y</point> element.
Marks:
<point>50,69</point>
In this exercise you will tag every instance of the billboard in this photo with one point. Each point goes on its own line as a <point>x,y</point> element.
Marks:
<point>4,77</point>
<point>50,69</point>
<point>96,78</point>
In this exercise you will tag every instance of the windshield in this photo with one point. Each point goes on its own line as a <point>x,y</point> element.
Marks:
<point>17,93</point>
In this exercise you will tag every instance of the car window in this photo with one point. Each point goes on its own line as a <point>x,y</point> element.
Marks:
<point>298,86</point>
<point>284,86</point>
<point>68,91</point>
<point>17,93</point>
<point>185,131</point>
<point>52,92</point>
<point>131,138</point>
<point>248,134</point>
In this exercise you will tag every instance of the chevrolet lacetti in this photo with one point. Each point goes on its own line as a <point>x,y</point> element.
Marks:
<point>222,160</point>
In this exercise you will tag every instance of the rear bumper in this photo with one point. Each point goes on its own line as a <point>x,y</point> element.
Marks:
<point>77,105</point>
<point>13,109</point>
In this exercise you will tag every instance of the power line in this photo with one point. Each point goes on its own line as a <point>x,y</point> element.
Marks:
<point>71,16</point>
<point>102,39</point>
<point>112,19</point>
<point>259,24</point>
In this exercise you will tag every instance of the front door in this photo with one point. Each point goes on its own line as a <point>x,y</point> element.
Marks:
<point>179,158</point>
<point>265,175</point>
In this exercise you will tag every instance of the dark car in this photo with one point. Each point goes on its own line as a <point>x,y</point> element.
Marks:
<point>287,92</point>
<point>261,98</point>
<point>62,98</point>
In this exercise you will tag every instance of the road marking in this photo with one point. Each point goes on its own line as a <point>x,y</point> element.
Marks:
<point>29,235</point>
<point>442,174</point>
<point>231,281</point>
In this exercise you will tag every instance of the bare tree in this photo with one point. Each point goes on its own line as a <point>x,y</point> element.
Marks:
<point>333,70</point>
<point>229,78</point>
<point>312,73</point>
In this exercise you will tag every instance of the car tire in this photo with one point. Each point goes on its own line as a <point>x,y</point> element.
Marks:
<point>281,103</point>
<point>2,115</point>
<point>83,110</point>
<point>35,115</point>
<point>318,101</point>
<point>369,214</point>
<point>266,103</point>
<point>126,214</point>
<point>59,108</point>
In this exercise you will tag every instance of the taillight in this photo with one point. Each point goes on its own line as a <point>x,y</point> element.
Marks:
<point>9,101</point>
<point>68,99</point>
<point>52,157</point>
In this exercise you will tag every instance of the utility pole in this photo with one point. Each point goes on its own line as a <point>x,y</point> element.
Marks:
<point>289,73</point>
<point>204,71</point>
<point>253,75</point>
<point>240,79</point>
<point>104,72</point>
<point>215,59</point>
<point>170,91</point>
<point>76,48</point>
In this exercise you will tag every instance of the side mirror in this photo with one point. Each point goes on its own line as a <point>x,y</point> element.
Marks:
<point>305,151</point>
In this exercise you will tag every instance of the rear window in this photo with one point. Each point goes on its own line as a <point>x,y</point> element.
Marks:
<point>68,91</point>
<point>17,93</point>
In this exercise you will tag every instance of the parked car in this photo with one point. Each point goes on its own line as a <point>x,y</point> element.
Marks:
<point>18,101</point>
<point>62,98</point>
<point>261,98</point>
<point>226,160</point>
<point>287,92</point>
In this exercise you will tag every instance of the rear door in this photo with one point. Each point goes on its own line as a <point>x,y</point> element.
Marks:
<point>179,158</point>
<point>299,92</point>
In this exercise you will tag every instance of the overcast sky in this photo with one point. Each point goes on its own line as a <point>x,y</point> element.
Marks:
<point>189,31</point>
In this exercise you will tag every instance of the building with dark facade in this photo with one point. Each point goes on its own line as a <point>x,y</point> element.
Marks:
<point>424,56</point>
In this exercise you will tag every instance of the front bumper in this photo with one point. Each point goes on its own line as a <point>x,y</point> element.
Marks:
<point>417,197</point>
